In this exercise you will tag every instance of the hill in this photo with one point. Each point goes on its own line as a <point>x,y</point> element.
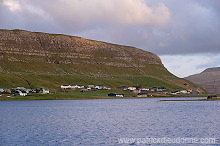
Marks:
<point>34,59</point>
<point>208,79</point>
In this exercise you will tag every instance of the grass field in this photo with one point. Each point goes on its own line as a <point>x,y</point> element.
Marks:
<point>53,82</point>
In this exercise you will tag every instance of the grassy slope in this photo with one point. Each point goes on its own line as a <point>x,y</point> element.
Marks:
<point>9,80</point>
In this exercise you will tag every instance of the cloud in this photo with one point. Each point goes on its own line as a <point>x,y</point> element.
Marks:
<point>164,27</point>
<point>81,14</point>
<point>185,65</point>
<point>13,5</point>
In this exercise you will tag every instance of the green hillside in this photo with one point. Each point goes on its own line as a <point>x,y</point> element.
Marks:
<point>34,60</point>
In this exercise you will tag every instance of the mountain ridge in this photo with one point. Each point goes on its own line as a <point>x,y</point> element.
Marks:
<point>213,69</point>
<point>24,53</point>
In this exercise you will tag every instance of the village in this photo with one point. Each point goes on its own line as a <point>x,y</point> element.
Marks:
<point>135,91</point>
<point>21,91</point>
<point>138,91</point>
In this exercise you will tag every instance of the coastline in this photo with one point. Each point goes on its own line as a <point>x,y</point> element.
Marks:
<point>90,97</point>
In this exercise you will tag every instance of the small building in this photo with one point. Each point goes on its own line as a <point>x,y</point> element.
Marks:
<point>99,87</point>
<point>138,87</point>
<point>154,89</point>
<point>2,90</point>
<point>80,86</point>
<point>185,91</point>
<point>72,87</point>
<point>158,89</point>
<point>91,86</point>
<point>185,84</point>
<point>65,86</point>
<point>142,94</point>
<point>20,88</point>
<point>175,92</point>
<point>45,91</point>
<point>212,97</point>
<point>20,93</point>
<point>42,90</point>
<point>7,91</point>
<point>136,91</point>
<point>131,88</point>
<point>123,88</point>
<point>116,95</point>
<point>107,88</point>
<point>145,89</point>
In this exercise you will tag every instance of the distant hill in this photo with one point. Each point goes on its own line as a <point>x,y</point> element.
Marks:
<point>214,69</point>
<point>209,79</point>
<point>34,59</point>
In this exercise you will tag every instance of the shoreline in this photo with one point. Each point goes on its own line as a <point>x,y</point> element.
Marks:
<point>195,100</point>
<point>75,97</point>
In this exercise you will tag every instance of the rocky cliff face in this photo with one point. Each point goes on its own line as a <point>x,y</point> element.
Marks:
<point>68,47</point>
<point>18,46</point>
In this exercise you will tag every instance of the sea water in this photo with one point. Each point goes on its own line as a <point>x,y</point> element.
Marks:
<point>109,122</point>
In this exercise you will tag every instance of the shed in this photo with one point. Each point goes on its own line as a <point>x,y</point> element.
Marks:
<point>116,95</point>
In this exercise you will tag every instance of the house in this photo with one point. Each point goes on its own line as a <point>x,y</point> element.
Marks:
<point>28,90</point>
<point>91,86</point>
<point>20,93</point>
<point>7,91</point>
<point>142,94</point>
<point>107,88</point>
<point>20,88</point>
<point>131,88</point>
<point>145,89</point>
<point>80,86</point>
<point>136,91</point>
<point>45,91</point>
<point>65,86</point>
<point>185,91</point>
<point>158,89</point>
<point>162,88</point>
<point>175,92</point>
<point>154,89</point>
<point>42,90</point>
<point>185,84</point>
<point>2,90</point>
<point>123,88</point>
<point>73,86</point>
<point>138,87</point>
<point>116,95</point>
<point>99,87</point>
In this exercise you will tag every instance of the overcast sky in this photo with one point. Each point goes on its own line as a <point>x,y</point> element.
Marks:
<point>184,33</point>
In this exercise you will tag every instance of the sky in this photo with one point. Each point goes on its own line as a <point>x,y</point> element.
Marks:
<point>184,33</point>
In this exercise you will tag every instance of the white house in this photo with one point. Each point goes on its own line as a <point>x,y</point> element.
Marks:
<point>65,86</point>
<point>2,90</point>
<point>91,86</point>
<point>99,87</point>
<point>184,91</point>
<point>145,89</point>
<point>107,88</point>
<point>45,91</point>
<point>131,88</point>
<point>20,93</point>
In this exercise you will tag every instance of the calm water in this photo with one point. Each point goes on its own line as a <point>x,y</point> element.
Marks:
<point>105,121</point>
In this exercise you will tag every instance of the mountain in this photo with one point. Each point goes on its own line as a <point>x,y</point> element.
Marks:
<point>34,59</point>
<point>214,69</point>
<point>208,79</point>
